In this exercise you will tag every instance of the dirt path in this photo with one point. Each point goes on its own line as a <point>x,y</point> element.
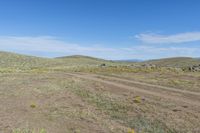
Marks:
<point>190,98</point>
<point>69,102</point>
<point>144,84</point>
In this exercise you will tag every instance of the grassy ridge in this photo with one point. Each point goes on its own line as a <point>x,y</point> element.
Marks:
<point>18,61</point>
<point>175,62</point>
<point>10,61</point>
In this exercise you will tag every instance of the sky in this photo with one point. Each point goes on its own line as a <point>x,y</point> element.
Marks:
<point>109,29</point>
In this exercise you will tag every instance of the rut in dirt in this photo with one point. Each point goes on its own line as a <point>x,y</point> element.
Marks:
<point>156,90</point>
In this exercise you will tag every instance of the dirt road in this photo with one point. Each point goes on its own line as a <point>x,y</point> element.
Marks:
<point>84,102</point>
<point>190,98</point>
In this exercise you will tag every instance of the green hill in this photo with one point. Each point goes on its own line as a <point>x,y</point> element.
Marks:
<point>13,60</point>
<point>174,62</point>
<point>81,60</point>
<point>19,61</point>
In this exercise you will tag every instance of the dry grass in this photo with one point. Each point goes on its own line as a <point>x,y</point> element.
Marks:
<point>29,131</point>
<point>63,100</point>
<point>119,110</point>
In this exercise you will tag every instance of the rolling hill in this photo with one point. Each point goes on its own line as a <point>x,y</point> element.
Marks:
<point>175,62</point>
<point>50,93</point>
<point>81,60</point>
<point>13,60</point>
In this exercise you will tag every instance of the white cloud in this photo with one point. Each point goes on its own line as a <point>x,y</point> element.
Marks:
<point>51,47</point>
<point>153,52</point>
<point>176,38</point>
<point>47,46</point>
<point>44,44</point>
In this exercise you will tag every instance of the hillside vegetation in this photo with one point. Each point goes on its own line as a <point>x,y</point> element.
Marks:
<point>12,60</point>
<point>175,62</point>
<point>68,94</point>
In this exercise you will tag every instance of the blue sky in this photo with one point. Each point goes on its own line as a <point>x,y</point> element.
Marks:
<point>110,29</point>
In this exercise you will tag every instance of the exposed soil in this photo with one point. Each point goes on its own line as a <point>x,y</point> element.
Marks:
<point>49,101</point>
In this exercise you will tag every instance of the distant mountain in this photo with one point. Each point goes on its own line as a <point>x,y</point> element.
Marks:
<point>130,60</point>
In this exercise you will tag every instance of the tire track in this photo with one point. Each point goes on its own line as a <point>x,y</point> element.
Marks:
<point>144,84</point>
<point>140,90</point>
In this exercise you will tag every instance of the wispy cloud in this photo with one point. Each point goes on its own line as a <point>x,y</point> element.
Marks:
<point>48,46</point>
<point>51,47</point>
<point>44,44</point>
<point>175,38</point>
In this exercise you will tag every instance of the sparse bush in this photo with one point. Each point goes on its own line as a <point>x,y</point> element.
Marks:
<point>29,131</point>
<point>137,99</point>
<point>33,105</point>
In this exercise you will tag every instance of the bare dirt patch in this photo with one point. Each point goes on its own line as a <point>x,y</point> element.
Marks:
<point>72,102</point>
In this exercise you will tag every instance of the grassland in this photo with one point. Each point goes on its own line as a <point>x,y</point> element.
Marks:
<point>83,94</point>
<point>175,62</point>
